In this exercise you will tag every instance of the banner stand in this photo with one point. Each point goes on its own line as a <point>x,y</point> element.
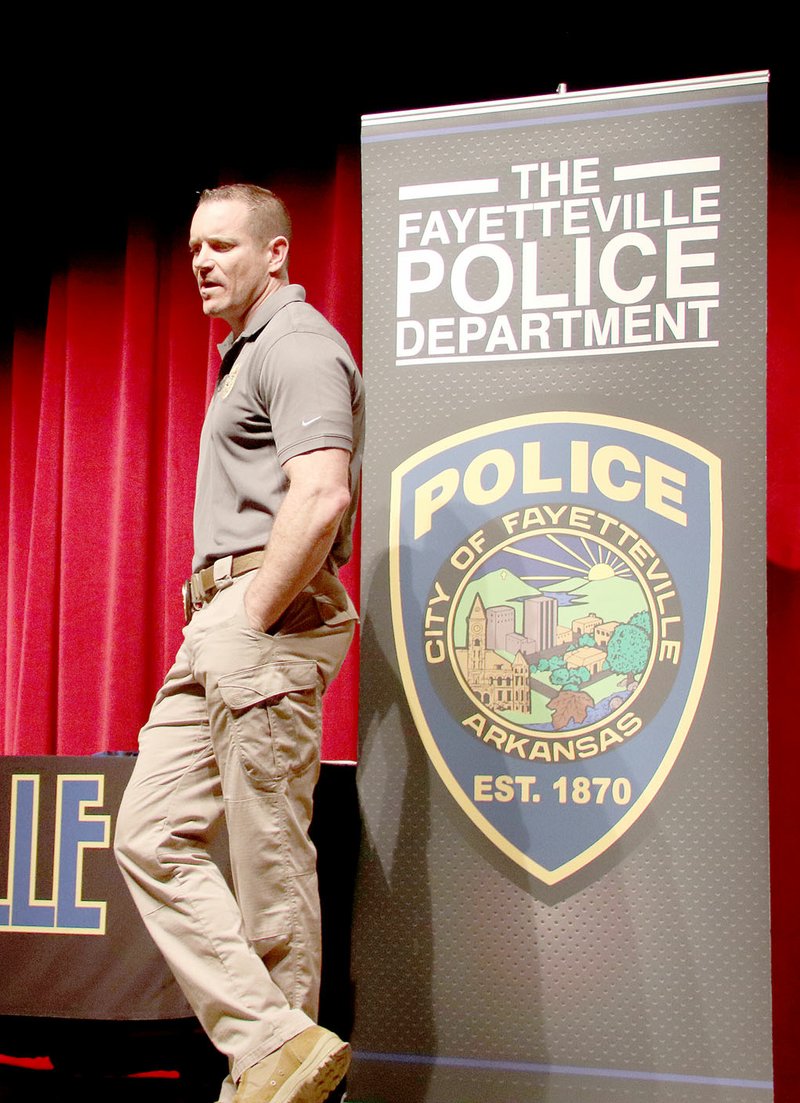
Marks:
<point>564,882</point>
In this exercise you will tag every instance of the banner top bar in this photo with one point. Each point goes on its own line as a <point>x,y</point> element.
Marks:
<point>731,80</point>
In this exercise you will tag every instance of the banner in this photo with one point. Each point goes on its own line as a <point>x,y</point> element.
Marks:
<point>563,766</point>
<point>72,941</point>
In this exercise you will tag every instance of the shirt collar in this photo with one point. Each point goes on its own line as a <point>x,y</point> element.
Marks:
<point>291,293</point>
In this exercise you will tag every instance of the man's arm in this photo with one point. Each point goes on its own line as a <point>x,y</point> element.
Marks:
<point>303,533</point>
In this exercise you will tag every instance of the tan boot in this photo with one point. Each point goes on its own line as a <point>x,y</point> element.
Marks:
<point>304,1070</point>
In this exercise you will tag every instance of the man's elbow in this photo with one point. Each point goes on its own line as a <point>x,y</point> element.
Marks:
<point>330,505</point>
<point>338,503</point>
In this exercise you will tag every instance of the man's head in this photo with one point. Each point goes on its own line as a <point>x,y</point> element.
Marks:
<point>239,243</point>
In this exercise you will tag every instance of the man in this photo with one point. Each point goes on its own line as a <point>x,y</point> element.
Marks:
<point>235,729</point>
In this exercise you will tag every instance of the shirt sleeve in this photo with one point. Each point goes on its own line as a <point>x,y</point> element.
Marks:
<point>307,392</point>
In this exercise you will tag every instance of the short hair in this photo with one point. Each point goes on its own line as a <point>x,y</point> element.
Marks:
<point>269,216</point>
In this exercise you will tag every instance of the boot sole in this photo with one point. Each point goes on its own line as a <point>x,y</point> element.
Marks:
<point>318,1075</point>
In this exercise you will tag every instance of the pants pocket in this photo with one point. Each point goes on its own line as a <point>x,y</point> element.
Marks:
<point>332,600</point>
<point>275,709</point>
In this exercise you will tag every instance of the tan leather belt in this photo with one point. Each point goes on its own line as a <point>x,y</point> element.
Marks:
<point>202,585</point>
<point>199,589</point>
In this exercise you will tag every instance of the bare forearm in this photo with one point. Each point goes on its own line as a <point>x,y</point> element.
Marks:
<point>301,538</point>
<point>297,548</point>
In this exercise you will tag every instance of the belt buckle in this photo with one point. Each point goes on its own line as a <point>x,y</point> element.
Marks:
<point>188,604</point>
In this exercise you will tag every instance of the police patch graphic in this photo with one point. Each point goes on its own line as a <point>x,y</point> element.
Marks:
<point>555,584</point>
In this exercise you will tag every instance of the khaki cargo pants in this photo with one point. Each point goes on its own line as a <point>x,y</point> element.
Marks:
<point>235,733</point>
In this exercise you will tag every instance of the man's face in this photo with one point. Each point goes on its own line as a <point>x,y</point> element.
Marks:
<point>234,270</point>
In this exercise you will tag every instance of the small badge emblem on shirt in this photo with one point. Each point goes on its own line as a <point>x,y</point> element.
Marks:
<point>228,382</point>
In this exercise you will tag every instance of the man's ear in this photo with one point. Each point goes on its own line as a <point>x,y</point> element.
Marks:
<point>277,255</point>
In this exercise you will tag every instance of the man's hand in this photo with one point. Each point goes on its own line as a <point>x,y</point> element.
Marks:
<point>303,533</point>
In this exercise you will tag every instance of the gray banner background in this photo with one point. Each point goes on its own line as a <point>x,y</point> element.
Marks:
<point>646,975</point>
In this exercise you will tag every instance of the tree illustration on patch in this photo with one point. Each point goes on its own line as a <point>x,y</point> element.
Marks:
<point>629,647</point>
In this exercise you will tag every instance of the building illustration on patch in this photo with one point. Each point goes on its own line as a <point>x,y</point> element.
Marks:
<point>498,682</point>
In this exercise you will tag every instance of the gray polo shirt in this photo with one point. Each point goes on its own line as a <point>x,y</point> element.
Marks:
<point>288,385</point>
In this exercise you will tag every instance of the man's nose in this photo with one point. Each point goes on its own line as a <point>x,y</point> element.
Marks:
<point>202,260</point>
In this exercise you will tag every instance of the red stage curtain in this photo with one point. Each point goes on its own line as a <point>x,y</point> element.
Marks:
<point>783,513</point>
<point>102,415</point>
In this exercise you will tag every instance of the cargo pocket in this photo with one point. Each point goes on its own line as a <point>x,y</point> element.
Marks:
<point>276,718</point>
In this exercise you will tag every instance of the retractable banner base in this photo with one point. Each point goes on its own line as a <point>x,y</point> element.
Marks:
<point>564,889</point>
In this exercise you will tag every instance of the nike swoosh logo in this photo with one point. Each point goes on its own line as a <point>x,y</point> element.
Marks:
<point>306,424</point>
